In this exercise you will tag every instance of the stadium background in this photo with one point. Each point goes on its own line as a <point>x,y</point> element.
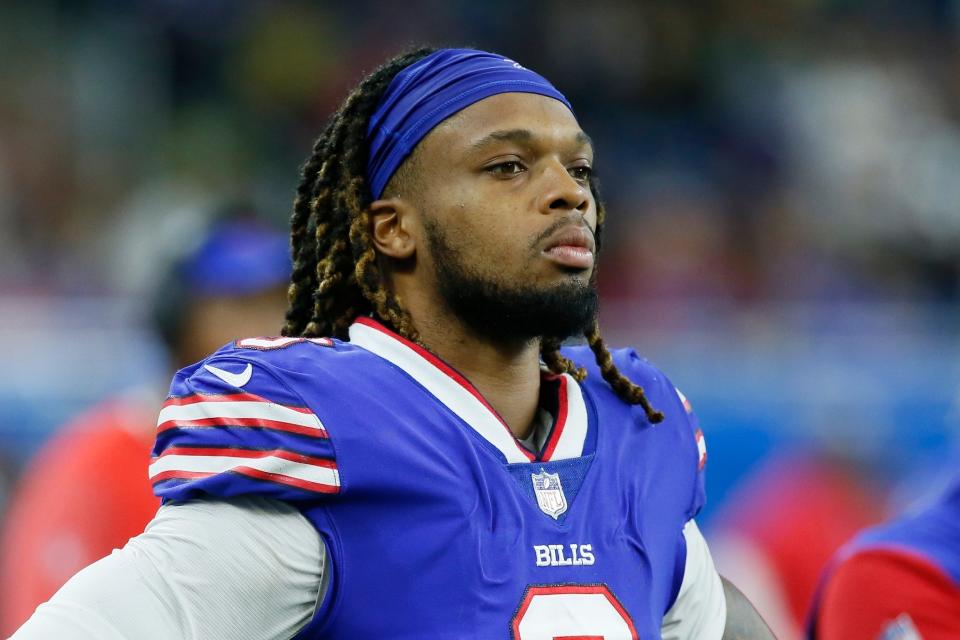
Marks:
<point>783,181</point>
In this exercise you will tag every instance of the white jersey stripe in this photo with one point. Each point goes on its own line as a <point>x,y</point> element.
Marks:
<point>267,464</point>
<point>574,433</point>
<point>267,343</point>
<point>701,448</point>
<point>466,405</point>
<point>239,410</point>
<point>440,385</point>
<point>700,610</point>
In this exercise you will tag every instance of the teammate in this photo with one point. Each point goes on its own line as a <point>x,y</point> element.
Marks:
<point>896,581</point>
<point>56,524</point>
<point>417,457</point>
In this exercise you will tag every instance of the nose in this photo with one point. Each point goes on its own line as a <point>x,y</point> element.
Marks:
<point>561,192</point>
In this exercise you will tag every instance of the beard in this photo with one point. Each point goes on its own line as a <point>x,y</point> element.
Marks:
<point>507,311</point>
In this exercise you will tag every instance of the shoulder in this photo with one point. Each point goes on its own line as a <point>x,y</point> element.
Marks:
<point>678,436</point>
<point>278,356</point>
<point>661,392</point>
<point>288,371</point>
<point>245,421</point>
<point>640,370</point>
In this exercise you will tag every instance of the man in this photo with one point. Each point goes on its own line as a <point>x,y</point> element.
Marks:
<point>896,581</point>
<point>417,458</point>
<point>232,282</point>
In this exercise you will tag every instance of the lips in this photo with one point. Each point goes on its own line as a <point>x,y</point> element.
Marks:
<point>571,247</point>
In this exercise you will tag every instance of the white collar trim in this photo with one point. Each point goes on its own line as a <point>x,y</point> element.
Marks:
<point>460,396</point>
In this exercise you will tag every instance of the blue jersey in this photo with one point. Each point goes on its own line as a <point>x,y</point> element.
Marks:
<point>438,523</point>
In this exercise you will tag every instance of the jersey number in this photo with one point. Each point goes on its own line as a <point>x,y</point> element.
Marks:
<point>571,612</point>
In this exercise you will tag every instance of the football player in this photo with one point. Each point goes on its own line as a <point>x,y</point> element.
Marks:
<point>417,457</point>
<point>896,581</point>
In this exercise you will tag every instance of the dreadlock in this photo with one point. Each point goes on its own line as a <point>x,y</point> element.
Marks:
<point>336,276</point>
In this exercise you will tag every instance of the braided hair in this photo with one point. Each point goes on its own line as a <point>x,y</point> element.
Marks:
<point>336,277</point>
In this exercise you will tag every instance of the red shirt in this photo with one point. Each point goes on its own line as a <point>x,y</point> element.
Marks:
<point>83,495</point>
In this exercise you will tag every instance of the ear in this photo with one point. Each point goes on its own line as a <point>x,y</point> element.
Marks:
<point>391,220</point>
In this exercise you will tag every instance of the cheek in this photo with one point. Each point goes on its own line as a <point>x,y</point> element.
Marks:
<point>491,230</point>
<point>490,241</point>
<point>592,215</point>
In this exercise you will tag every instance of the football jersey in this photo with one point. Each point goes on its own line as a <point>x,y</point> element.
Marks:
<point>438,523</point>
<point>913,562</point>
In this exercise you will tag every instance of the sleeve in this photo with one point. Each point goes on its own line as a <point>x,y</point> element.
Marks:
<point>56,524</point>
<point>700,609</point>
<point>887,593</point>
<point>211,570</point>
<point>232,426</point>
<point>699,497</point>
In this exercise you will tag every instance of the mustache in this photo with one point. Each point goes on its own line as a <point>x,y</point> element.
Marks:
<point>566,221</point>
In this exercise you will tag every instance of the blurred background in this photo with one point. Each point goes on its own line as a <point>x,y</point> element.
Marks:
<point>782,180</point>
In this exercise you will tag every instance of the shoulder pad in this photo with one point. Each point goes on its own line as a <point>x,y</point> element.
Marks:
<point>232,426</point>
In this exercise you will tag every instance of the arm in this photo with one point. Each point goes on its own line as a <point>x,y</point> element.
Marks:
<point>708,606</point>
<point>699,610</point>
<point>57,525</point>
<point>249,567</point>
<point>743,621</point>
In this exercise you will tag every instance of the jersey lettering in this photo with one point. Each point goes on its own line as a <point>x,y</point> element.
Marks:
<point>555,555</point>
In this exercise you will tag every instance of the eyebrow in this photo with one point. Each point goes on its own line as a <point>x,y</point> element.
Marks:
<point>521,136</point>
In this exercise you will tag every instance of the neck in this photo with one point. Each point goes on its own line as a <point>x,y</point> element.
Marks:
<point>506,373</point>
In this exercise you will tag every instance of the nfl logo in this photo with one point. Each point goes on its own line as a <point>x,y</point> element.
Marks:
<point>900,629</point>
<point>549,492</point>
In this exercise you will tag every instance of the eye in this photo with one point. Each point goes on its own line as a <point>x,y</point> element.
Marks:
<point>581,174</point>
<point>506,169</point>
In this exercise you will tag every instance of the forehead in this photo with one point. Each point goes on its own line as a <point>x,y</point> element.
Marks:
<point>547,120</point>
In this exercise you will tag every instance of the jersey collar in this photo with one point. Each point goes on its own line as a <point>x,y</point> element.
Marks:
<point>452,389</point>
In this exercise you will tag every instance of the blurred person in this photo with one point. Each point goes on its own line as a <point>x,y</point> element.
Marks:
<point>8,475</point>
<point>87,491</point>
<point>417,456</point>
<point>776,532</point>
<point>896,581</point>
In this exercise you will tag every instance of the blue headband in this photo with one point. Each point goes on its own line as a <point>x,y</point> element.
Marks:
<point>431,90</point>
